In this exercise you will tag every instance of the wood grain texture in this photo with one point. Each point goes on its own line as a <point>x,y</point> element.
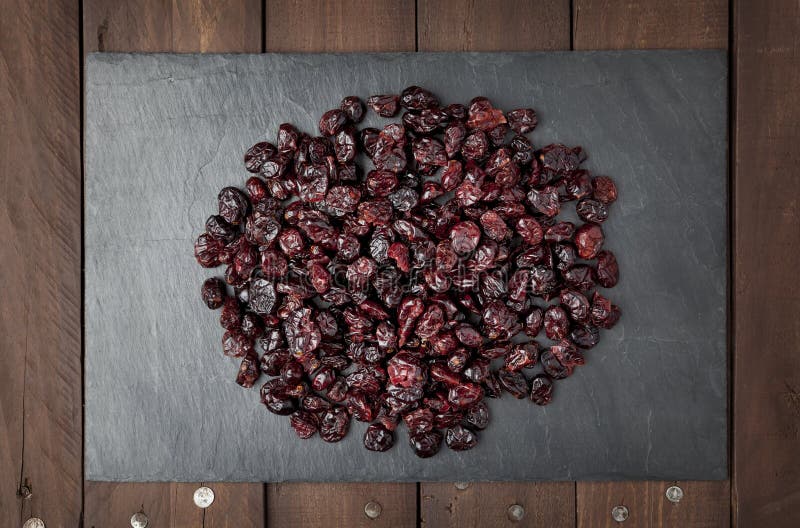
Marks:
<point>343,26</point>
<point>704,504</point>
<point>339,25</point>
<point>164,504</point>
<point>468,25</point>
<point>767,249</point>
<point>486,504</point>
<point>324,505</point>
<point>603,24</point>
<point>496,25</point>
<point>639,24</point>
<point>182,26</point>
<point>40,280</point>
<point>178,26</point>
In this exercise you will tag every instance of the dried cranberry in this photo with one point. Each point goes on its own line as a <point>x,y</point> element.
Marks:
<point>541,389</point>
<point>378,438</point>
<point>425,445</point>
<point>334,424</point>
<point>523,120</point>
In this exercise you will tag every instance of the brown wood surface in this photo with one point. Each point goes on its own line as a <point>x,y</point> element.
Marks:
<point>494,25</point>
<point>40,215</point>
<point>326,505</point>
<point>40,277</point>
<point>486,504</point>
<point>182,26</point>
<point>704,504</point>
<point>601,24</point>
<point>634,24</point>
<point>767,250</point>
<point>339,25</point>
<point>317,26</point>
<point>187,26</point>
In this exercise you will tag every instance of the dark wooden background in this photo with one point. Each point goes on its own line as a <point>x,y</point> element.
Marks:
<point>42,45</point>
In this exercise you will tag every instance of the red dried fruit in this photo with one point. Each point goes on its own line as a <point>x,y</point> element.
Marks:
<point>378,438</point>
<point>304,423</point>
<point>425,445</point>
<point>523,120</point>
<point>541,389</point>
<point>459,438</point>
<point>604,190</point>
<point>589,240</point>
<point>213,293</point>
<point>424,289</point>
<point>334,424</point>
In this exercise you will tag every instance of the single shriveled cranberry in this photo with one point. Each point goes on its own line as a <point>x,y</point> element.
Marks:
<point>464,237</point>
<point>604,190</point>
<point>304,423</point>
<point>607,269</point>
<point>541,389</point>
<point>353,108</point>
<point>514,383</point>
<point>213,293</point>
<point>459,438</point>
<point>425,445</point>
<point>378,438</point>
<point>589,240</point>
<point>332,122</point>
<point>384,105</point>
<point>334,424</point>
<point>523,120</point>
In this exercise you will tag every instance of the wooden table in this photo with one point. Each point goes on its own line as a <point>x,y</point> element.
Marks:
<point>42,45</point>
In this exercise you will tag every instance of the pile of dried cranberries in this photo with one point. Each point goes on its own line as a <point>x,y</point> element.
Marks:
<point>396,294</point>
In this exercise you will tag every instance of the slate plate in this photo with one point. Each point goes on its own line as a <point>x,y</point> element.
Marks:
<point>165,132</point>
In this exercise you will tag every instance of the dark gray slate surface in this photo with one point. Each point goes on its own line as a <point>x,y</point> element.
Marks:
<point>164,133</point>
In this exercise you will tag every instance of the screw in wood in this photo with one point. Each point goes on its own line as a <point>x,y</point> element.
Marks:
<point>674,494</point>
<point>139,520</point>
<point>33,522</point>
<point>461,485</point>
<point>619,513</point>
<point>203,497</point>
<point>516,512</point>
<point>373,510</point>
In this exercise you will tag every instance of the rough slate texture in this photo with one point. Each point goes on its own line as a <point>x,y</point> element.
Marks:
<point>164,133</point>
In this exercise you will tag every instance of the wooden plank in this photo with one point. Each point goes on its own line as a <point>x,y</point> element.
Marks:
<point>603,24</point>
<point>164,504</point>
<point>180,26</point>
<point>497,25</point>
<point>611,24</point>
<point>468,25</point>
<point>344,25</point>
<point>40,280</point>
<point>329,26</point>
<point>767,248</point>
<point>489,504</point>
<point>704,504</point>
<point>323,505</point>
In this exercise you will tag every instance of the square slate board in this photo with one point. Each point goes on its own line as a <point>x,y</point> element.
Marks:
<point>165,132</point>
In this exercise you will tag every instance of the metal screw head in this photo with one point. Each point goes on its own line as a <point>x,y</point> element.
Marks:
<point>25,492</point>
<point>674,494</point>
<point>203,497</point>
<point>619,513</point>
<point>33,522</point>
<point>516,512</point>
<point>373,510</point>
<point>461,485</point>
<point>139,520</point>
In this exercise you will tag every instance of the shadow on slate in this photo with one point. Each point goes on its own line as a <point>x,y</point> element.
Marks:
<point>164,133</point>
